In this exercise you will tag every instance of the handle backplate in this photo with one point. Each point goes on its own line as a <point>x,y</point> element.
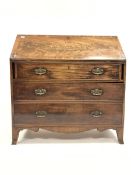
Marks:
<point>40,92</point>
<point>40,71</point>
<point>41,114</point>
<point>97,71</point>
<point>96,92</point>
<point>96,114</point>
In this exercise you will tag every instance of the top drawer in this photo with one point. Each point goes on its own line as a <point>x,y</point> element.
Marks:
<point>68,71</point>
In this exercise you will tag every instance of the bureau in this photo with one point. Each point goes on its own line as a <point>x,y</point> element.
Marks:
<point>67,84</point>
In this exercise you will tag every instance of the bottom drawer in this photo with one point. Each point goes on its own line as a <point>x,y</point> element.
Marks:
<point>52,114</point>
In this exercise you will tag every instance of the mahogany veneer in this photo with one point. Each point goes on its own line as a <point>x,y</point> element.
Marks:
<point>67,84</point>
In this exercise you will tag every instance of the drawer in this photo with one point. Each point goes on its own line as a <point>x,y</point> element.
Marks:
<point>49,114</point>
<point>68,91</point>
<point>64,71</point>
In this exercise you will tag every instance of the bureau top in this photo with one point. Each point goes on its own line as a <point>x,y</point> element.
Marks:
<point>45,47</point>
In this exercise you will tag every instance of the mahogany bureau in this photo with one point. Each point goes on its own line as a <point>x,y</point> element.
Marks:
<point>67,84</point>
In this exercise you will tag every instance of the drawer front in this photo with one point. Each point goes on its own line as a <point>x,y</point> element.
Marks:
<point>49,114</point>
<point>68,71</point>
<point>68,91</point>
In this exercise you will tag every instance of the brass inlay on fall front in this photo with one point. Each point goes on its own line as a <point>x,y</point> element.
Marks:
<point>64,46</point>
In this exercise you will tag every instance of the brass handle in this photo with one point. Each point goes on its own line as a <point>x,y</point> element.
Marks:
<point>40,114</point>
<point>96,92</point>
<point>40,92</point>
<point>40,71</point>
<point>96,114</point>
<point>97,71</point>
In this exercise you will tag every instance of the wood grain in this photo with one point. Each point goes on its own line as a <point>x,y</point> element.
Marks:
<point>69,91</point>
<point>69,71</point>
<point>69,63</point>
<point>39,47</point>
<point>68,114</point>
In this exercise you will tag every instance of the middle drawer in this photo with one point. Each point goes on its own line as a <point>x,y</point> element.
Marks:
<point>68,91</point>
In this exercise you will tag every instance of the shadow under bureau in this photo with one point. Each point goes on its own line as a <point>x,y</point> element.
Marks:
<point>67,84</point>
